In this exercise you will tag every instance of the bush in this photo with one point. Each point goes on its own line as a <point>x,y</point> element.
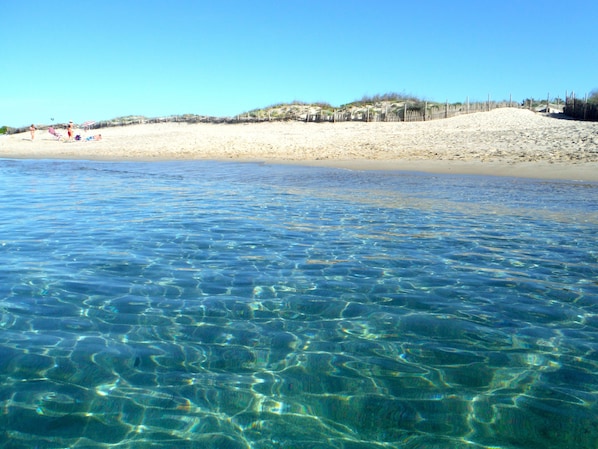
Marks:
<point>419,106</point>
<point>390,96</point>
<point>3,129</point>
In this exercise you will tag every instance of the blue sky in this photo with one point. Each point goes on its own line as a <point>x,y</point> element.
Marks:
<point>94,60</point>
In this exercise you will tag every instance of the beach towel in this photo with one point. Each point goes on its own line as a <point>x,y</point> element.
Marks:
<point>55,133</point>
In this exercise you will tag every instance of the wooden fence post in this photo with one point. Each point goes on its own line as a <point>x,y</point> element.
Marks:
<point>585,108</point>
<point>405,112</point>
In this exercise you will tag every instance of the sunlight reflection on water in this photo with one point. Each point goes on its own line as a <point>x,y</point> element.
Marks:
<point>242,305</point>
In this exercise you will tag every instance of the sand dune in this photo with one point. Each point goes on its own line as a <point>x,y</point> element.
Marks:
<point>506,141</point>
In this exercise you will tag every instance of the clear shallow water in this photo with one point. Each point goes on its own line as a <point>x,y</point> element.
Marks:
<point>212,305</point>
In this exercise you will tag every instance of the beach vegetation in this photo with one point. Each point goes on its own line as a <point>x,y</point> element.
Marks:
<point>318,104</point>
<point>291,110</point>
<point>418,106</point>
<point>534,103</point>
<point>324,106</point>
<point>389,97</point>
<point>3,129</point>
<point>593,97</point>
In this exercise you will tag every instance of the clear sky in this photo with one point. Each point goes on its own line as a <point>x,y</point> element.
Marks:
<point>94,60</point>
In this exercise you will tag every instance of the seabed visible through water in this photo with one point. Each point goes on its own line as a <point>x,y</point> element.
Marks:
<point>229,305</point>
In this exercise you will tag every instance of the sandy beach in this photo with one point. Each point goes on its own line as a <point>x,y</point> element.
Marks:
<point>504,142</point>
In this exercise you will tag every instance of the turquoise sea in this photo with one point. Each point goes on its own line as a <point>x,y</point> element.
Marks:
<point>228,305</point>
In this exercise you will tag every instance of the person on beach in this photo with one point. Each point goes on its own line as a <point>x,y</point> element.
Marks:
<point>69,130</point>
<point>96,137</point>
<point>32,131</point>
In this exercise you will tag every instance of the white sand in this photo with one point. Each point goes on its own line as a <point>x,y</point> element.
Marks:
<point>506,142</point>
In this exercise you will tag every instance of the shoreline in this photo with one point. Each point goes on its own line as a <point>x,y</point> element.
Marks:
<point>532,170</point>
<point>505,142</point>
<point>582,172</point>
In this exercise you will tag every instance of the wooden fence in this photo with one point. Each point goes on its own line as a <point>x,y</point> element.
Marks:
<point>416,112</point>
<point>581,109</point>
<point>407,112</point>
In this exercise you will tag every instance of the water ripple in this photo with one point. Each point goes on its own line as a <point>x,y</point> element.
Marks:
<point>232,305</point>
